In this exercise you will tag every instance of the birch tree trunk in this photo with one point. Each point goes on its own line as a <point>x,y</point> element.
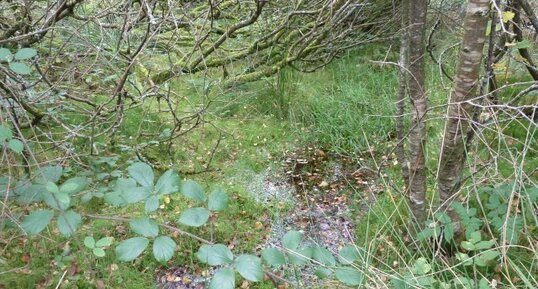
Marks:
<point>417,93</point>
<point>401,153</point>
<point>459,112</point>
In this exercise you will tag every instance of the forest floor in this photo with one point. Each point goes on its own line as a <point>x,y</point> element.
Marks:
<point>316,188</point>
<point>282,152</point>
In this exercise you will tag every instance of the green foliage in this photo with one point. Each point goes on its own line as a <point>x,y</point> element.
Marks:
<point>15,63</point>
<point>193,190</point>
<point>163,248</point>
<point>218,200</point>
<point>68,222</point>
<point>6,138</point>
<point>291,240</point>
<point>349,276</point>
<point>250,267</point>
<point>37,221</point>
<point>344,99</point>
<point>145,226</point>
<point>142,173</point>
<point>194,217</point>
<point>25,53</point>
<point>323,256</point>
<point>129,249</point>
<point>348,254</point>
<point>300,257</point>
<point>223,279</point>
<point>273,257</point>
<point>215,254</point>
<point>98,248</point>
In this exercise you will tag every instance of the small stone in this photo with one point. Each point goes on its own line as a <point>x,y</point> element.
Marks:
<point>324,226</point>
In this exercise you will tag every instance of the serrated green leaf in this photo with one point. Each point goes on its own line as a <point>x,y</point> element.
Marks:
<point>89,242</point>
<point>163,248</point>
<point>489,255</point>
<point>475,237</point>
<point>218,200</point>
<point>49,174</point>
<point>214,255</point>
<point>115,199</point>
<point>483,284</point>
<point>63,197</point>
<point>52,187</point>
<point>349,276</point>
<point>5,133</point>
<point>421,266</point>
<point>467,261</point>
<point>5,55</point>
<point>135,195</point>
<point>74,185</point>
<point>193,190</point>
<point>25,53</point>
<point>479,262</point>
<point>58,201</point>
<point>31,194</point>
<point>223,279</point>
<point>64,188</point>
<point>322,272</point>
<point>273,257</point>
<point>129,249</point>
<point>250,267</point>
<point>464,282</point>
<point>194,217</point>
<point>99,252</point>
<point>448,232</point>
<point>323,256</point>
<point>142,173</point>
<point>37,221</point>
<point>152,204</point>
<point>467,245</point>
<point>300,257</point>
<point>20,68</point>
<point>104,242</point>
<point>291,240</point>
<point>348,255</point>
<point>144,226</point>
<point>168,183</point>
<point>425,234</point>
<point>483,245</point>
<point>68,222</point>
<point>15,145</point>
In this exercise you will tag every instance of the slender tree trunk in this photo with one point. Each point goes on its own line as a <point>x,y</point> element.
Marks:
<point>530,13</point>
<point>459,112</point>
<point>401,154</point>
<point>524,52</point>
<point>417,93</point>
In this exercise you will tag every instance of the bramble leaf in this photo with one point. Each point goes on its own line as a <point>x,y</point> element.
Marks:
<point>129,249</point>
<point>37,221</point>
<point>194,217</point>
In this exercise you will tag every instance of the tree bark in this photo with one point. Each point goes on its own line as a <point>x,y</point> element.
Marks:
<point>419,106</point>
<point>401,154</point>
<point>459,111</point>
<point>530,13</point>
<point>524,52</point>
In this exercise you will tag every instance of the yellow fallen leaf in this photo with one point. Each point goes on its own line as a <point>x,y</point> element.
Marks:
<point>508,15</point>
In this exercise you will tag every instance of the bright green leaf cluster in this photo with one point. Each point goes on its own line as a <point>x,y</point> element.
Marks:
<point>98,248</point>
